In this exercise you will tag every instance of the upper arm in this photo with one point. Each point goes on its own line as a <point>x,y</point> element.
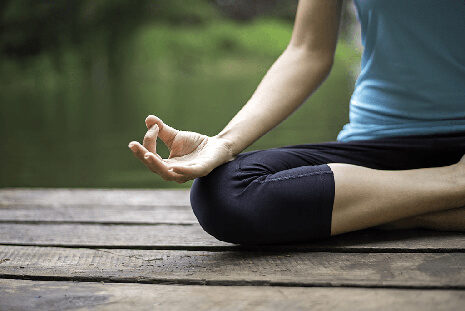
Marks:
<point>316,27</point>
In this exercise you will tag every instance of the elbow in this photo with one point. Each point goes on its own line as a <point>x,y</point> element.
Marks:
<point>323,62</point>
<point>320,60</point>
<point>326,65</point>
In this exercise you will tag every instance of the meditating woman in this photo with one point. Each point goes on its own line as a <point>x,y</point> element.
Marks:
<point>397,164</point>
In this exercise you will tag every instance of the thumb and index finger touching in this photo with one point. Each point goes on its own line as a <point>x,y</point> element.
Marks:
<point>165,132</point>
<point>148,155</point>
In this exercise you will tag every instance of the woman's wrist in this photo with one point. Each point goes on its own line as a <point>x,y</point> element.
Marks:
<point>228,145</point>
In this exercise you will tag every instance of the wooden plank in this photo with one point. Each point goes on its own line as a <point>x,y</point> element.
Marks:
<point>40,295</point>
<point>193,237</point>
<point>127,207</point>
<point>372,240</point>
<point>64,197</point>
<point>77,235</point>
<point>111,214</point>
<point>403,270</point>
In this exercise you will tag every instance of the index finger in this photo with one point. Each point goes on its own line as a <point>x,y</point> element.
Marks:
<point>150,139</point>
<point>166,132</point>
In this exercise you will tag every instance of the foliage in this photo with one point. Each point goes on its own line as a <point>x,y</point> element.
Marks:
<point>29,27</point>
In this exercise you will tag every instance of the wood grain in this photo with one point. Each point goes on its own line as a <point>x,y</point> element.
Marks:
<point>53,236</point>
<point>236,268</point>
<point>66,197</point>
<point>192,236</point>
<point>46,296</point>
<point>106,214</point>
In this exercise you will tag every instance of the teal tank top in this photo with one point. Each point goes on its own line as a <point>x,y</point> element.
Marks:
<point>412,79</point>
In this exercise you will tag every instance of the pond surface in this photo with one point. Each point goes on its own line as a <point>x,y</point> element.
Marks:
<point>68,123</point>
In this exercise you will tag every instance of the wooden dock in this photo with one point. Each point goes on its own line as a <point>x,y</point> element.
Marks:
<point>64,249</point>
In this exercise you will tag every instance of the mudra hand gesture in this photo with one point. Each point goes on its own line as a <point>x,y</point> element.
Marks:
<point>192,155</point>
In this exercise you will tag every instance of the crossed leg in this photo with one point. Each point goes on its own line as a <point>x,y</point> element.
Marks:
<point>286,195</point>
<point>429,197</point>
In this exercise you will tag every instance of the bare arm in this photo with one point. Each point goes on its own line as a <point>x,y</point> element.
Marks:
<point>296,74</point>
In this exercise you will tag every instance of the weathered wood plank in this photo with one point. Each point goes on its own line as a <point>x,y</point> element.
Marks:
<point>98,214</point>
<point>63,197</point>
<point>39,295</point>
<point>150,207</point>
<point>232,268</point>
<point>106,235</point>
<point>193,237</point>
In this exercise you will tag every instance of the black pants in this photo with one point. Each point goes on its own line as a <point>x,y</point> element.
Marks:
<point>286,195</point>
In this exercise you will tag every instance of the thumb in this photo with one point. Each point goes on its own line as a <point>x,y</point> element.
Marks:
<point>166,133</point>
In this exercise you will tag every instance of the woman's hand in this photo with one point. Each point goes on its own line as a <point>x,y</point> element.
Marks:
<point>192,155</point>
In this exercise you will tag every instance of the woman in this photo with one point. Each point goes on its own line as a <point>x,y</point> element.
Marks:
<point>397,164</point>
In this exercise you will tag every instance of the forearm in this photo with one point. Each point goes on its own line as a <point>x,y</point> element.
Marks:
<point>290,81</point>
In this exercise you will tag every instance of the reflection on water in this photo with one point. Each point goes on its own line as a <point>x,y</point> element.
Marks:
<point>66,122</point>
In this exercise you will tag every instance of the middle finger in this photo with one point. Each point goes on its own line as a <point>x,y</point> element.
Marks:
<point>155,164</point>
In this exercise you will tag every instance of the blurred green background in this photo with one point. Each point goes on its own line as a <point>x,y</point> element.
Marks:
<point>78,78</point>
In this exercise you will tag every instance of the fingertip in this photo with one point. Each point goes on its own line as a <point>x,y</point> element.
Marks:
<point>157,120</point>
<point>151,120</point>
<point>155,128</point>
<point>133,146</point>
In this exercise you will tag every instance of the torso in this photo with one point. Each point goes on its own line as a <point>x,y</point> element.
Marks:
<point>412,80</point>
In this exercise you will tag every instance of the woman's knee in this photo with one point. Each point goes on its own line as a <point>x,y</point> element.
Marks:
<point>218,206</point>
<point>223,204</point>
<point>242,205</point>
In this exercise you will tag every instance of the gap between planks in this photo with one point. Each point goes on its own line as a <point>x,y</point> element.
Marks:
<point>251,248</point>
<point>236,268</point>
<point>194,238</point>
<point>224,283</point>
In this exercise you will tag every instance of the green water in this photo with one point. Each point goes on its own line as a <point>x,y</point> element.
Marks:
<point>66,122</point>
